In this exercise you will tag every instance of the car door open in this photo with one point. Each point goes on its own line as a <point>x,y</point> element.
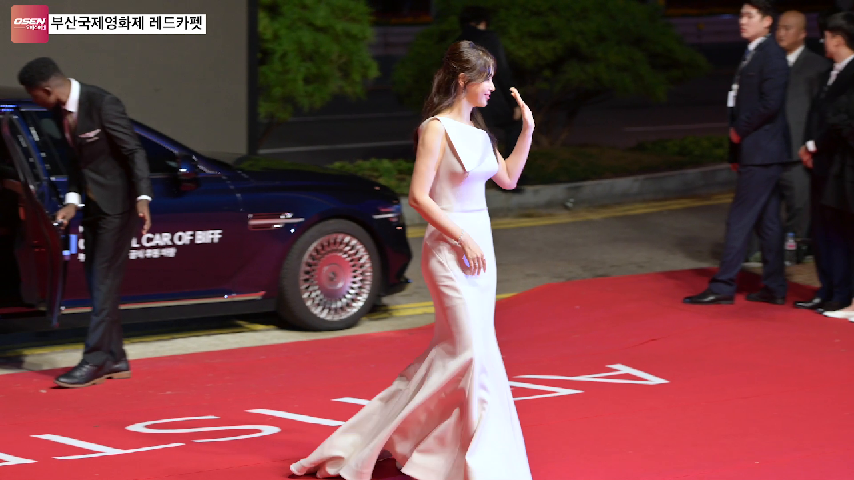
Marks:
<point>40,253</point>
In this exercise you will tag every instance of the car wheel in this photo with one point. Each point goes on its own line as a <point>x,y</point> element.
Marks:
<point>330,278</point>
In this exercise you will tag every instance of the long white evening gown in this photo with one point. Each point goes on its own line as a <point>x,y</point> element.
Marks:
<point>450,414</point>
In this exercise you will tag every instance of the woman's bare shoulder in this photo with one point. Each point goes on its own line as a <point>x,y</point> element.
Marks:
<point>431,128</point>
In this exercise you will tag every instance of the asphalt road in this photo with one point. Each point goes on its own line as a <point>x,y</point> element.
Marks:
<point>601,242</point>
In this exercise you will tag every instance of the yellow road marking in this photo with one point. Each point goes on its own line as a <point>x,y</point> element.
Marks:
<point>595,213</point>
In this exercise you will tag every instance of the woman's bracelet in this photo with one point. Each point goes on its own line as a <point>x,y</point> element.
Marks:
<point>459,240</point>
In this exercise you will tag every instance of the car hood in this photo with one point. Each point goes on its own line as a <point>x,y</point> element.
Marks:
<point>273,170</point>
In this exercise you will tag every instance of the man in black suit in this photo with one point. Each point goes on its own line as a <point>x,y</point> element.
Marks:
<point>807,67</point>
<point>502,113</point>
<point>110,170</point>
<point>821,154</point>
<point>759,146</point>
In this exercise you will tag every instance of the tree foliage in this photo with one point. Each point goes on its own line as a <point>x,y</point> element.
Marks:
<point>564,54</point>
<point>310,51</point>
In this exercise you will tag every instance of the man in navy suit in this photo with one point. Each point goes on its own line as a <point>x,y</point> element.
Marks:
<point>760,144</point>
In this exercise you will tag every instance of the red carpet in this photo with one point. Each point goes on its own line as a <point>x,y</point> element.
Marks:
<point>749,391</point>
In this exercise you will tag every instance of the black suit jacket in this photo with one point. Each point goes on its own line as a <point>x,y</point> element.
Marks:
<point>759,114</point>
<point>500,107</point>
<point>805,82</point>
<point>827,139</point>
<point>108,160</point>
<point>838,185</point>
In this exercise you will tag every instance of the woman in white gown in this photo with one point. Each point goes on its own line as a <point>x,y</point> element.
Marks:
<point>450,414</point>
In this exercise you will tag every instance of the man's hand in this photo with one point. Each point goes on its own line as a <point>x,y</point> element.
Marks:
<point>806,156</point>
<point>144,213</point>
<point>734,136</point>
<point>65,214</point>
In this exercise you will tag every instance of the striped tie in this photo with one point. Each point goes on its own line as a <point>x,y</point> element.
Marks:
<point>69,124</point>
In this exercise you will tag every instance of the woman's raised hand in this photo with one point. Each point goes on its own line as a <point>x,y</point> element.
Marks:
<point>527,115</point>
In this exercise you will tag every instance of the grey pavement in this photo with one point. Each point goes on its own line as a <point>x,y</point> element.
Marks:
<point>527,257</point>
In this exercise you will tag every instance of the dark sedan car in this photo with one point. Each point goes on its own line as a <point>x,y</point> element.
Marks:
<point>243,234</point>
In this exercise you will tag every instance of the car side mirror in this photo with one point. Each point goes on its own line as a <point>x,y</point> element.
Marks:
<point>188,173</point>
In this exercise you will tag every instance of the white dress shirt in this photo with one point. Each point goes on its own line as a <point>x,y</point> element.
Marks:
<point>72,105</point>
<point>837,67</point>
<point>793,57</point>
<point>752,45</point>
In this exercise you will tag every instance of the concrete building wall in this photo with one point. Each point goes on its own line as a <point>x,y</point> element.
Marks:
<point>193,88</point>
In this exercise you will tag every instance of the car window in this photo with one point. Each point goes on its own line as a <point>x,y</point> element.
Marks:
<point>49,140</point>
<point>34,176</point>
<point>160,158</point>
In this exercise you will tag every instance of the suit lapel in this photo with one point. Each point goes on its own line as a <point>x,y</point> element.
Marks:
<point>842,82</point>
<point>760,48</point>
<point>800,63</point>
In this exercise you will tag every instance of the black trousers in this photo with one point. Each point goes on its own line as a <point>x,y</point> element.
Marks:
<point>107,241</point>
<point>795,189</point>
<point>832,247</point>
<point>756,207</point>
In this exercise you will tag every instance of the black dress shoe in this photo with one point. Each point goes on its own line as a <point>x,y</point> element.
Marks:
<point>766,296</point>
<point>831,307</point>
<point>120,370</point>
<point>709,298</point>
<point>814,304</point>
<point>85,374</point>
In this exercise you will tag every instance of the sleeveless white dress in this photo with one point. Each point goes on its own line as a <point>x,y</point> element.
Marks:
<point>450,414</point>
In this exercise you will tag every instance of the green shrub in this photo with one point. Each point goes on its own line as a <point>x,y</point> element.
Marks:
<point>309,52</point>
